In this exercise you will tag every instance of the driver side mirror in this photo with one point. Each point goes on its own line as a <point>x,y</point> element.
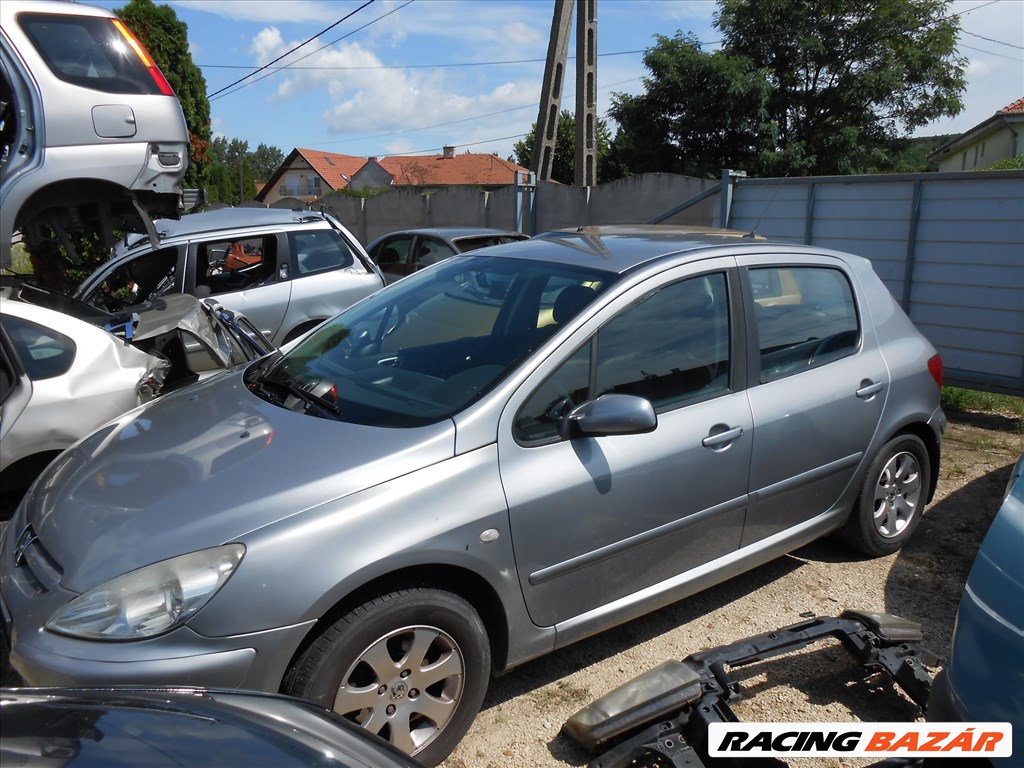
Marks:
<point>610,415</point>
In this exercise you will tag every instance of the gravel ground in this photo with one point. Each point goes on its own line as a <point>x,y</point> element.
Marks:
<point>524,710</point>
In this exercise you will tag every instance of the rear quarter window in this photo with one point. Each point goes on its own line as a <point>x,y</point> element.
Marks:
<point>44,353</point>
<point>319,251</point>
<point>88,51</point>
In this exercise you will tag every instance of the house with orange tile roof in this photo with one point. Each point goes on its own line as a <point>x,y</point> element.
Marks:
<point>308,175</point>
<point>448,169</point>
<point>1000,137</point>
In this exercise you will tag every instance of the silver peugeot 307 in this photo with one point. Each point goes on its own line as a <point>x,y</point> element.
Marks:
<point>490,459</point>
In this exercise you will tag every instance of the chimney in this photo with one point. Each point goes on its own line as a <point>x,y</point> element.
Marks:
<point>449,153</point>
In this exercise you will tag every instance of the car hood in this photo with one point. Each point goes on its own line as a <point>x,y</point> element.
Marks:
<point>202,467</point>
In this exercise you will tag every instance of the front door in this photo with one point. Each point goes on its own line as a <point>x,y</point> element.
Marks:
<point>595,519</point>
<point>248,274</point>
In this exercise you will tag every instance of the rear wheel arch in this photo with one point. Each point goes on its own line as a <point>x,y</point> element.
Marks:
<point>923,432</point>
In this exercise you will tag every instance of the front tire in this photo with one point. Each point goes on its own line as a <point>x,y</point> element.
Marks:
<point>411,666</point>
<point>892,497</point>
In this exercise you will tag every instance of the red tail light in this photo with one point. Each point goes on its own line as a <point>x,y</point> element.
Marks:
<point>147,60</point>
<point>935,369</point>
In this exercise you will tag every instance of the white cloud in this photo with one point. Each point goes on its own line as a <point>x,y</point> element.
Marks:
<point>267,45</point>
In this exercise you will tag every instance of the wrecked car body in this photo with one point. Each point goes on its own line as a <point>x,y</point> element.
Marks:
<point>88,366</point>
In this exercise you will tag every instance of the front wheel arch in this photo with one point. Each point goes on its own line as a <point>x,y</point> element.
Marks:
<point>467,584</point>
<point>411,665</point>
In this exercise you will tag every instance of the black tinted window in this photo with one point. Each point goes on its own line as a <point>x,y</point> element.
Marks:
<point>43,352</point>
<point>88,51</point>
<point>806,317</point>
<point>670,347</point>
<point>427,347</point>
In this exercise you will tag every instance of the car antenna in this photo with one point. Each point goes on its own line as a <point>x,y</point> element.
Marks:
<point>752,234</point>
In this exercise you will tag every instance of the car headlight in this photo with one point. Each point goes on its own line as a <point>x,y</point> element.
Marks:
<point>151,600</point>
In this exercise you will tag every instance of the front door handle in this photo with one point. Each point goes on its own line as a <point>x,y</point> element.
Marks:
<point>722,439</point>
<point>869,389</point>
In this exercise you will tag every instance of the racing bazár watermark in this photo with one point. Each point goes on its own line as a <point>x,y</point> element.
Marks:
<point>860,739</point>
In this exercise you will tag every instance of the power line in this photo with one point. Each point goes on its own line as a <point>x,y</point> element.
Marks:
<point>990,53</point>
<point>992,40</point>
<point>304,42</point>
<point>275,70</point>
<point>411,66</point>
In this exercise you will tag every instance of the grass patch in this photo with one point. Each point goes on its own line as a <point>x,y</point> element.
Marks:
<point>20,262</point>
<point>957,399</point>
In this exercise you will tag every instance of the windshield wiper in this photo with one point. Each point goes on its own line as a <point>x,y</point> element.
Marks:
<point>291,385</point>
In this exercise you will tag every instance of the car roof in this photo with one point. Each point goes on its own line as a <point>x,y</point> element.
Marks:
<point>621,249</point>
<point>451,233</point>
<point>228,218</point>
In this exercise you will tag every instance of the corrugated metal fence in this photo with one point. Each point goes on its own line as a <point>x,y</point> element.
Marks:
<point>950,247</point>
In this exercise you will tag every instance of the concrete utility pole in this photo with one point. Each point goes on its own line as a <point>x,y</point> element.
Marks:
<point>551,91</point>
<point>586,92</point>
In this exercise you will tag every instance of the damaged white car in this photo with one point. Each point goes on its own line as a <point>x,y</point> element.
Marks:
<point>88,366</point>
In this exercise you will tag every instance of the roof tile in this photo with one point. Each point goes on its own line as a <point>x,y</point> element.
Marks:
<point>332,166</point>
<point>1016,108</point>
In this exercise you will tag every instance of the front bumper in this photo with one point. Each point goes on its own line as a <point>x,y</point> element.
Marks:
<point>182,657</point>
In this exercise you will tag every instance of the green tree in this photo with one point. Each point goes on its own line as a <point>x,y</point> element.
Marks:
<point>700,113</point>
<point>563,168</point>
<point>230,178</point>
<point>265,161</point>
<point>845,79</point>
<point>166,39</point>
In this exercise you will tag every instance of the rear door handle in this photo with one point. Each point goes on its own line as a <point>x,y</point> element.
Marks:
<point>869,390</point>
<point>721,439</point>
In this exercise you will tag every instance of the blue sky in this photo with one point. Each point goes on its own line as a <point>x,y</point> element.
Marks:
<point>403,77</point>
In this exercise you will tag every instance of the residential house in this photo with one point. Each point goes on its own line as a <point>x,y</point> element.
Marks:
<point>308,174</point>
<point>481,171</point>
<point>997,138</point>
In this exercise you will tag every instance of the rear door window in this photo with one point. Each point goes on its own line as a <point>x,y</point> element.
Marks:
<point>806,317</point>
<point>88,51</point>
<point>430,251</point>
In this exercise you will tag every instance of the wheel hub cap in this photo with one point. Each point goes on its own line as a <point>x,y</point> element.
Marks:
<point>404,687</point>
<point>897,494</point>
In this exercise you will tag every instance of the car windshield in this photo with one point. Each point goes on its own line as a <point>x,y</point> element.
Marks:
<point>426,348</point>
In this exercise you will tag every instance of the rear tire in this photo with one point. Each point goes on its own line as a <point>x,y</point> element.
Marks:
<point>411,666</point>
<point>892,498</point>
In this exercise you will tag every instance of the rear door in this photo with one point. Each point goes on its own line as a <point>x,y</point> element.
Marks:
<point>326,277</point>
<point>819,383</point>
<point>597,519</point>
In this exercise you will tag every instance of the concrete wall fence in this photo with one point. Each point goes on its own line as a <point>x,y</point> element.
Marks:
<point>950,246</point>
